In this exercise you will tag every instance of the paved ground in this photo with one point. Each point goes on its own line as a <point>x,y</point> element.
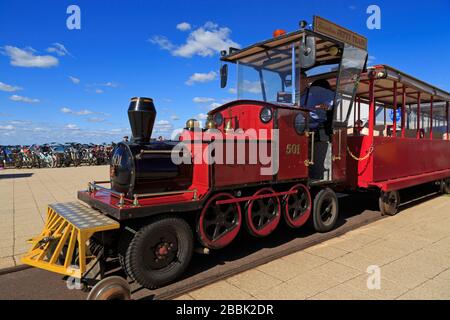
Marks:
<point>411,249</point>
<point>24,195</point>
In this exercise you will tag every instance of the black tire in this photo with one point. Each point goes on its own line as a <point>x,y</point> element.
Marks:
<point>445,186</point>
<point>389,203</point>
<point>325,210</point>
<point>143,260</point>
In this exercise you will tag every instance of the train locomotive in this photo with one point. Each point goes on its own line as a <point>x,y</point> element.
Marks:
<point>165,199</point>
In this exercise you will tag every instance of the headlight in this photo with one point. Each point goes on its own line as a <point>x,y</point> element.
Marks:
<point>300,123</point>
<point>266,114</point>
<point>218,119</point>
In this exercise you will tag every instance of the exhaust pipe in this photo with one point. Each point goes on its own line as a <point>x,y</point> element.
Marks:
<point>142,115</point>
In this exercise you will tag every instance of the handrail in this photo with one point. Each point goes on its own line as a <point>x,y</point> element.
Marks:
<point>94,186</point>
<point>136,197</point>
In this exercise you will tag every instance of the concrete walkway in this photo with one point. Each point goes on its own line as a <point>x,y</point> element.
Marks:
<point>411,252</point>
<point>412,249</point>
<point>24,195</point>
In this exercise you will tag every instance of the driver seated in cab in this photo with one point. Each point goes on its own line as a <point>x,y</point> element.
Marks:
<point>318,98</point>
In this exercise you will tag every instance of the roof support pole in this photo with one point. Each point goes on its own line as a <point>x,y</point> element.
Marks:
<point>371,110</point>
<point>446,116</point>
<point>359,108</point>
<point>418,116</point>
<point>403,110</point>
<point>431,118</point>
<point>394,134</point>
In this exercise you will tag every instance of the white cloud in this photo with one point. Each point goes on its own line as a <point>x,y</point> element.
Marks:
<point>352,7</point>
<point>83,112</point>
<point>7,127</point>
<point>162,42</point>
<point>162,126</point>
<point>202,100</point>
<point>201,77</point>
<point>110,84</point>
<point>95,120</point>
<point>98,91</point>
<point>371,59</point>
<point>252,87</point>
<point>202,116</point>
<point>72,127</point>
<point>27,58</point>
<point>184,26</point>
<point>74,80</point>
<point>232,90</point>
<point>214,105</point>
<point>175,117</point>
<point>18,98</point>
<point>59,49</point>
<point>204,41</point>
<point>9,88</point>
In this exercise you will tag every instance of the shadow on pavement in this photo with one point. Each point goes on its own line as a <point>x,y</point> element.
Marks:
<point>15,175</point>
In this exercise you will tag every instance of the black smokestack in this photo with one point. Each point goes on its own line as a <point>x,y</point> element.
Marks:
<point>142,114</point>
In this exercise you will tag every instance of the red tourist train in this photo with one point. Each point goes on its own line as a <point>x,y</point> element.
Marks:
<point>310,120</point>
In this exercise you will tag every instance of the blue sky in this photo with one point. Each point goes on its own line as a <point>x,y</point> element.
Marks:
<point>168,50</point>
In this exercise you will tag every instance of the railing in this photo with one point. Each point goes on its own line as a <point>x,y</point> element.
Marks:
<point>95,185</point>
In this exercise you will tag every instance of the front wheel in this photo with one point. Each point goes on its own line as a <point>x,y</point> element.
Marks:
<point>325,210</point>
<point>159,252</point>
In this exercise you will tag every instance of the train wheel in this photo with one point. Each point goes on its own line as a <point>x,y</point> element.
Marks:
<point>263,215</point>
<point>111,288</point>
<point>297,207</point>
<point>389,203</point>
<point>445,186</point>
<point>159,252</point>
<point>325,210</point>
<point>218,225</point>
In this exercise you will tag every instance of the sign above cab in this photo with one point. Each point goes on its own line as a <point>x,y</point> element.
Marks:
<point>332,30</point>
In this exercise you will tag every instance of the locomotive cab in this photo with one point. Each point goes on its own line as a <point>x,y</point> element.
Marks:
<point>313,71</point>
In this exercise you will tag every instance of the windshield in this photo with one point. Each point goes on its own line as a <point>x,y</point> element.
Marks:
<point>268,75</point>
<point>276,75</point>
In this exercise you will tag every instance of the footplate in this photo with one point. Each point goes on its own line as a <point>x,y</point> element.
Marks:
<point>62,247</point>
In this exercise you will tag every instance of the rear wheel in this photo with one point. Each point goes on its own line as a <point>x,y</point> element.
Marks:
<point>325,210</point>
<point>445,186</point>
<point>389,203</point>
<point>159,252</point>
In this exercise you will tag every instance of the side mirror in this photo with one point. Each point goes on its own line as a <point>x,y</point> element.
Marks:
<point>308,52</point>
<point>288,81</point>
<point>223,76</point>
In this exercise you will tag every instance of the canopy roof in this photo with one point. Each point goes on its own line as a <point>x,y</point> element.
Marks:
<point>280,52</point>
<point>384,87</point>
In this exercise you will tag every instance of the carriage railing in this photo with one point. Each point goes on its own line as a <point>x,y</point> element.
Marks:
<point>96,185</point>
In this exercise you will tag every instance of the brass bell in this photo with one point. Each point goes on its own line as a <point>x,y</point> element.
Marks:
<point>210,124</point>
<point>191,124</point>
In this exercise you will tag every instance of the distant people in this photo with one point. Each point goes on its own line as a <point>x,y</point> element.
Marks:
<point>125,139</point>
<point>160,138</point>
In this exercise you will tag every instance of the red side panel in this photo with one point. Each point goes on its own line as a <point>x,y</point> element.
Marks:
<point>339,154</point>
<point>407,161</point>
<point>294,149</point>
